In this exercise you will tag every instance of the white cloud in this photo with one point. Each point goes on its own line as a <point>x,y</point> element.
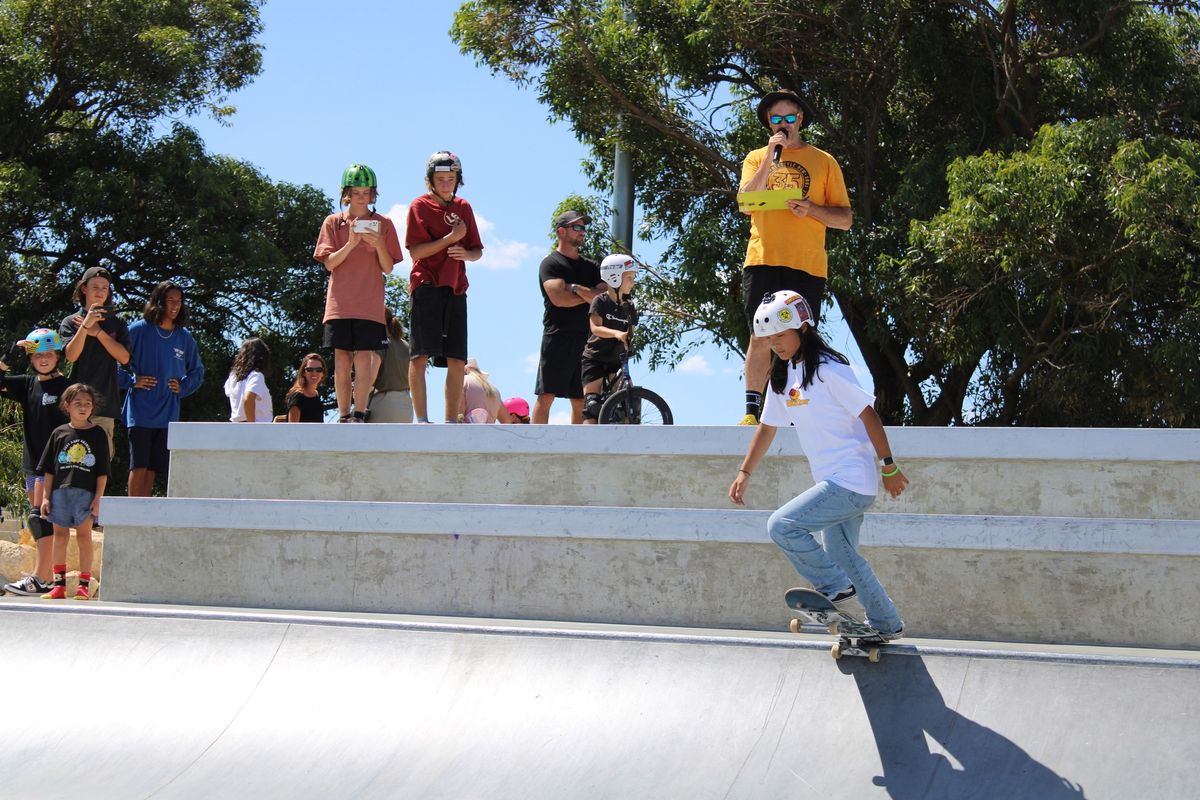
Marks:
<point>695,365</point>
<point>561,417</point>
<point>398,214</point>
<point>531,363</point>
<point>501,253</point>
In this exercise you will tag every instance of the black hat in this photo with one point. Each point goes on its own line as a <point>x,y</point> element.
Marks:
<point>567,217</point>
<point>771,98</point>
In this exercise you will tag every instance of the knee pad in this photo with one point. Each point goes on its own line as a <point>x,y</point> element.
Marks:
<point>591,406</point>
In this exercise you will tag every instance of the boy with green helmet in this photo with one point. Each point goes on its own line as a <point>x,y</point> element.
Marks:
<point>358,246</point>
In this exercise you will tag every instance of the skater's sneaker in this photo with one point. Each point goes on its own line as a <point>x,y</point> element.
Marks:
<point>749,419</point>
<point>841,597</point>
<point>29,586</point>
<point>882,638</point>
<point>56,593</point>
<point>81,593</point>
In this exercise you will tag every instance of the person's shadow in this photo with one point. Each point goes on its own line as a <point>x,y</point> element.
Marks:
<point>904,705</point>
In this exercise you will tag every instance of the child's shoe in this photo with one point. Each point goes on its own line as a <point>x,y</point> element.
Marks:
<point>56,593</point>
<point>29,586</point>
<point>81,593</point>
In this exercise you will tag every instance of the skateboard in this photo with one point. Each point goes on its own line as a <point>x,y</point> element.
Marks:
<point>817,609</point>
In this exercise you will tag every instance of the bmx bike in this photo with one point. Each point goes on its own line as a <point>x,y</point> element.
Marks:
<point>623,403</point>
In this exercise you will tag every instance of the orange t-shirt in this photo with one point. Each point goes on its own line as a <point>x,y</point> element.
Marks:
<point>355,289</point>
<point>780,238</point>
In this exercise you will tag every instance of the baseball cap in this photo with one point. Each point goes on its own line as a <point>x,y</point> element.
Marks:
<point>96,272</point>
<point>567,217</point>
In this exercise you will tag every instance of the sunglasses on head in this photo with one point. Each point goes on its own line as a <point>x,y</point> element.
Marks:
<point>778,118</point>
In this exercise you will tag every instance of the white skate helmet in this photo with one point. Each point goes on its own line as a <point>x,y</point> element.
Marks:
<point>780,311</point>
<point>614,266</point>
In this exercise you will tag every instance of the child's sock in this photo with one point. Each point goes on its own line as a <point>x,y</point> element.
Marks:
<point>83,591</point>
<point>754,404</point>
<point>58,590</point>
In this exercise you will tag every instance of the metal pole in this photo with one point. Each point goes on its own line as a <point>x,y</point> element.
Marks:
<point>622,217</point>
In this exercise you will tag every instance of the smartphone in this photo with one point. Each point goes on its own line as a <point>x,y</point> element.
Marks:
<point>364,225</point>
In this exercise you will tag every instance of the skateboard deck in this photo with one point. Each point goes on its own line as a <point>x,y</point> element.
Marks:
<point>817,610</point>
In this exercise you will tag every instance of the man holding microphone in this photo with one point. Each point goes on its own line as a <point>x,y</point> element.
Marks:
<point>787,247</point>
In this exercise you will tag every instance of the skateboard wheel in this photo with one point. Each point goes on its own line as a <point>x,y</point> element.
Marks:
<point>794,625</point>
<point>833,629</point>
<point>873,655</point>
<point>836,651</point>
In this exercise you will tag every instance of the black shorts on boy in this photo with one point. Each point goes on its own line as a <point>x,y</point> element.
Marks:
<point>148,449</point>
<point>438,323</point>
<point>355,335</point>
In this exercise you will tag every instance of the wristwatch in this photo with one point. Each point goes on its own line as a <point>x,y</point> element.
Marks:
<point>888,461</point>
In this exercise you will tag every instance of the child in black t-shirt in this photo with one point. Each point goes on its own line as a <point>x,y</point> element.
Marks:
<point>612,317</point>
<point>39,396</point>
<point>75,464</point>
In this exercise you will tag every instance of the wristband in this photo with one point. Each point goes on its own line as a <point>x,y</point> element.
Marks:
<point>745,471</point>
<point>895,471</point>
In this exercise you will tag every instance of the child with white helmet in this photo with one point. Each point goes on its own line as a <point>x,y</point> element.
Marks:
<point>813,388</point>
<point>38,395</point>
<point>612,317</point>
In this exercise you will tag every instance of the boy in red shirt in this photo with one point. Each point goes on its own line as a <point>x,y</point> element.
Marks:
<point>358,247</point>
<point>442,236</point>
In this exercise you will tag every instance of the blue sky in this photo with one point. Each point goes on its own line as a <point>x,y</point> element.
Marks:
<point>321,103</point>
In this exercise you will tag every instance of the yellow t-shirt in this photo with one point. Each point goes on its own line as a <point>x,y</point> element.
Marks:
<point>780,238</point>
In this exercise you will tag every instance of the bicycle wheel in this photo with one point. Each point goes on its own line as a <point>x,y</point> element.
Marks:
<point>636,406</point>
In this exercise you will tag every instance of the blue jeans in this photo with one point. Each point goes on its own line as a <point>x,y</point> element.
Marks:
<point>839,513</point>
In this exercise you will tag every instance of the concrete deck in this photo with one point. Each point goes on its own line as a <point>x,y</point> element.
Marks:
<point>204,704</point>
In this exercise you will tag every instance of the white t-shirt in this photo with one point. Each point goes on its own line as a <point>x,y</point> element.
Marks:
<point>826,418</point>
<point>237,390</point>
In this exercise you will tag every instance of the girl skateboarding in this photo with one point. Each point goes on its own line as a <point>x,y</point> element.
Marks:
<point>813,388</point>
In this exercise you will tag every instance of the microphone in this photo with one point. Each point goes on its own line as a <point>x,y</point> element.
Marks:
<point>779,147</point>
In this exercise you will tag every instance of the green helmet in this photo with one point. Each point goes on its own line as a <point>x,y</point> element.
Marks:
<point>359,175</point>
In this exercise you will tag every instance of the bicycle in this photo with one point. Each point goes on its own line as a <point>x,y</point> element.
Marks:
<point>622,403</point>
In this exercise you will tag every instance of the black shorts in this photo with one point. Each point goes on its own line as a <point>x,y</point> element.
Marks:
<point>439,323</point>
<point>148,449</point>
<point>595,370</point>
<point>758,281</point>
<point>559,371</point>
<point>355,335</point>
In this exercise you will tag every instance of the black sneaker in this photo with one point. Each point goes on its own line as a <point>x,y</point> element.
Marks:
<point>882,638</point>
<point>29,586</point>
<point>842,597</point>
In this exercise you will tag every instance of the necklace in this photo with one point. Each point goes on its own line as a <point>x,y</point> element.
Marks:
<point>158,330</point>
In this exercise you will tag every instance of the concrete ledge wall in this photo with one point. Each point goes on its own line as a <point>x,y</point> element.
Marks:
<point>1150,474</point>
<point>1119,582</point>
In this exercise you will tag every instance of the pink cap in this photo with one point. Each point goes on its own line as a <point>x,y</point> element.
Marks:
<point>518,406</point>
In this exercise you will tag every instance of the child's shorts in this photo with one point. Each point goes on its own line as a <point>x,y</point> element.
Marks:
<point>70,506</point>
<point>32,481</point>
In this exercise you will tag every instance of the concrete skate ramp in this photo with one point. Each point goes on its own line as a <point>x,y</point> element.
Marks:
<point>144,703</point>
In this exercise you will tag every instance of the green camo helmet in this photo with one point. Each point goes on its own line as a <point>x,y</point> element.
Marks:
<point>359,175</point>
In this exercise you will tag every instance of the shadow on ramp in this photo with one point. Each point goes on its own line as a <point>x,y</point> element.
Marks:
<point>930,751</point>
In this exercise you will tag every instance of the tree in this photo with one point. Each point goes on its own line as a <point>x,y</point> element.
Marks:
<point>899,92</point>
<point>95,169</point>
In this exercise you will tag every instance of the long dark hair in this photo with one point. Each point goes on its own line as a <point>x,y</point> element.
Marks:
<point>812,349</point>
<point>252,355</point>
<point>299,384</point>
<point>156,306</point>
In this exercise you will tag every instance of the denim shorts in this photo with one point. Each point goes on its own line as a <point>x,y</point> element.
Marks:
<point>32,481</point>
<point>70,506</point>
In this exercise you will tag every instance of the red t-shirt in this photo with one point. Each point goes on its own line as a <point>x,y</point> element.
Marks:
<point>355,288</point>
<point>429,220</point>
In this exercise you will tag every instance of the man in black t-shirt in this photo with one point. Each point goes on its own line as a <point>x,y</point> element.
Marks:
<point>568,282</point>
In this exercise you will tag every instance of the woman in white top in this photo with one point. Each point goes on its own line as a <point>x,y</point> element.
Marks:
<point>246,386</point>
<point>814,389</point>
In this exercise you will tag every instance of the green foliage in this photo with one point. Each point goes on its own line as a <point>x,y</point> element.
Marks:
<point>900,92</point>
<point>92,173</point>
